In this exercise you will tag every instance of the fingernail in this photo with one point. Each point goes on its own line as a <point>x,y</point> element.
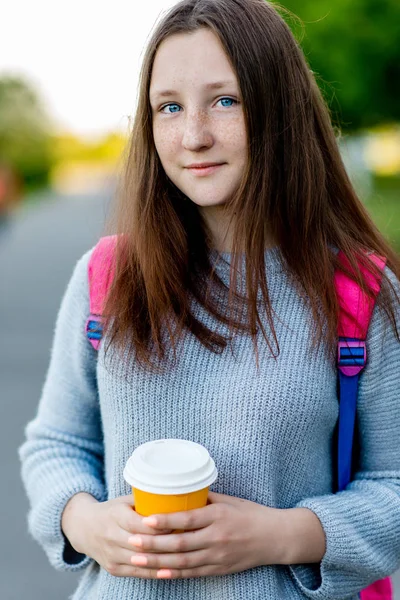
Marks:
<point>139,560</point>
<point>164,573</point>
<point>136,541</point>
<point>151,521</point>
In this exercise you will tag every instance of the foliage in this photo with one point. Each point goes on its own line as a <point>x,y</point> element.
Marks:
<point>25,140</point>
<point>354,50</point>
<point>384,207</point>
<point>108,148</point>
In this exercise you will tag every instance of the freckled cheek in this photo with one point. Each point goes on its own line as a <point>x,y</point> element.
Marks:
<point>232,137</point>
<point>167,142</point>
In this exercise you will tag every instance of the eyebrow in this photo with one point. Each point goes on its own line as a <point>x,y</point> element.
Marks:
<point>214,85</point>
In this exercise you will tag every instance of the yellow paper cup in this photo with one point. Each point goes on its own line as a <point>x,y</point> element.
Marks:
<point>169,475</point>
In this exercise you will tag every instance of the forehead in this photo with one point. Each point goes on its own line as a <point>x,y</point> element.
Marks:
<point>190,59</point>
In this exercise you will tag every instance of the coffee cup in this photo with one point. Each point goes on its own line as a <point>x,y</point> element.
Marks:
<point>169,475</point>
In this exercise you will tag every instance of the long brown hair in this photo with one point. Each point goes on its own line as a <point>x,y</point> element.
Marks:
<point>295,191</point>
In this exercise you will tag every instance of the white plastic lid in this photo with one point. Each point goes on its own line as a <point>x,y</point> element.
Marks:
<point>170,466</point>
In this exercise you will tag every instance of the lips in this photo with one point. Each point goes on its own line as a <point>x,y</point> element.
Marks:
<point>203,165</point>
<point>203,171</point>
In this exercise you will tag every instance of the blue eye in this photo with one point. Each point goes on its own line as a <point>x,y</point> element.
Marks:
<point>229,100</point>
<point>167,106</point>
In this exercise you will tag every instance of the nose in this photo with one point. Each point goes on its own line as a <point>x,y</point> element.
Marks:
<point>197,131</point>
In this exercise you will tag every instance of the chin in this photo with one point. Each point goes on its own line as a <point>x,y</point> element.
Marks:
<point>205,199</point>
<point>201,203</point>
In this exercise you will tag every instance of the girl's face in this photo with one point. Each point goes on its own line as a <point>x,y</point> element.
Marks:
<point>195,121</point>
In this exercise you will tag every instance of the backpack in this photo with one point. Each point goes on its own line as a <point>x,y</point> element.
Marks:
<point>355,312</point>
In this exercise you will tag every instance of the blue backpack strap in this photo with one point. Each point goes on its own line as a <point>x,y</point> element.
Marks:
<point>352,358</point>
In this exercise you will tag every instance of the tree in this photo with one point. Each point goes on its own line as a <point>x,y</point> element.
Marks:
<point>354,50</point>
<point>25,132</point>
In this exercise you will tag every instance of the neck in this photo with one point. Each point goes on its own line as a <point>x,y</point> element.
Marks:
<point>219,229</point>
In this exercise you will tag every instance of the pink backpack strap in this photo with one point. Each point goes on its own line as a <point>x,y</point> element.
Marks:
<point>101,270</point>
<point>380,590</point>
<point>355,307</point>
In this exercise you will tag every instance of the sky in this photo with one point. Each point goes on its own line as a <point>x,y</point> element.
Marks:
<point>83,57</point>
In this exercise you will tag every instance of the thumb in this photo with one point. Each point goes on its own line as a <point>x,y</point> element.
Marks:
<point>215,498</point>
<point>125,499</point>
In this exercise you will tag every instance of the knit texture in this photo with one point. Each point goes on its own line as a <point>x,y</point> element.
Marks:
<point>270,432</point>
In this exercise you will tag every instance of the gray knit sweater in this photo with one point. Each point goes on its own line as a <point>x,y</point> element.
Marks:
<point>270,433</point>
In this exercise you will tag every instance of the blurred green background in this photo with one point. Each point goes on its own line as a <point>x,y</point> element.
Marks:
<point>353,48</point>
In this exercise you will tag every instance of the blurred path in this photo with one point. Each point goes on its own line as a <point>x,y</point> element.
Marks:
<point>37,256</point>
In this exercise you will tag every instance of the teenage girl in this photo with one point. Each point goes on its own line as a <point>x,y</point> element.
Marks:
<point>221,328</point>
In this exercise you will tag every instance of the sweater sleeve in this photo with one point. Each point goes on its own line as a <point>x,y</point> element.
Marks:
<point>63,450</point>
<point>362,523</point>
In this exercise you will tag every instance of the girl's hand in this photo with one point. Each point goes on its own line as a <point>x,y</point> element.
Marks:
<point>229,535</point>
<point>102,530</point>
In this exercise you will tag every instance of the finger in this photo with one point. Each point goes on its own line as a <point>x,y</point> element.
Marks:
<point>128,500</point>
<point>132,522</point>
<point>174,542</point>
<point>123,560</point>
<point>205,571</point>
<point>132,571</point>
<point>122,541</point>
<point>186,520</point>
<point>184,560</point>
